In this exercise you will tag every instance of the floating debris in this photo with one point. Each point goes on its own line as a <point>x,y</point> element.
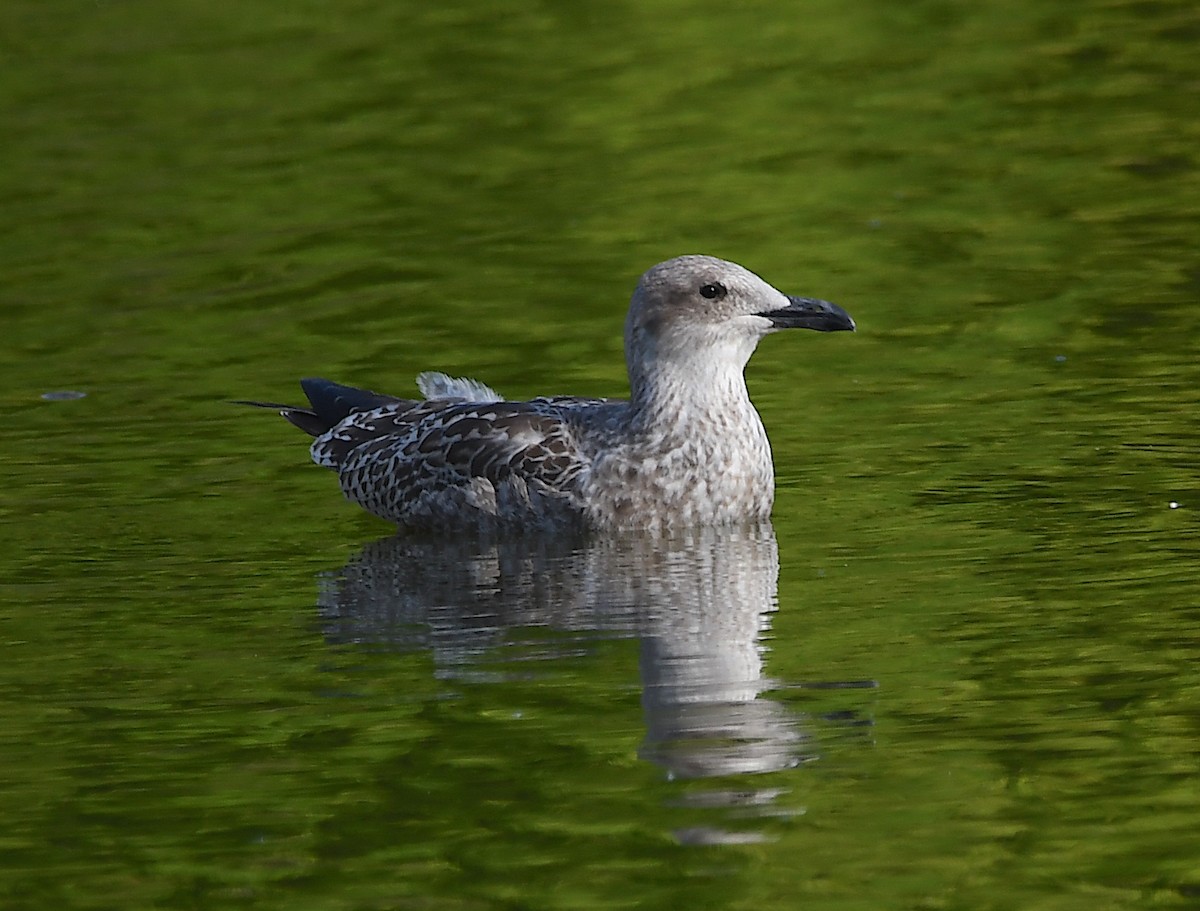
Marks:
<point>63,395</point>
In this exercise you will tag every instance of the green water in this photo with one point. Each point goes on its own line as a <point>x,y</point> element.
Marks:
<point>962,671</point>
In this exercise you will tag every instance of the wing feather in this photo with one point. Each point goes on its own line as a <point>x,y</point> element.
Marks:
<point>416,462</point>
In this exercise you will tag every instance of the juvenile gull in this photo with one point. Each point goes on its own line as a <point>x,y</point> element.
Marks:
<point>687,448</point>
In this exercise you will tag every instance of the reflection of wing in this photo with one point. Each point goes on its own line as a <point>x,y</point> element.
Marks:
<point>414,462</point>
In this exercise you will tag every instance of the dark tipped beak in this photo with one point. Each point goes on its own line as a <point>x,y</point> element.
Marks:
<point>810,313</point>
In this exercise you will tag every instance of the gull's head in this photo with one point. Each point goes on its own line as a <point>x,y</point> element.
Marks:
<point>700,309</point>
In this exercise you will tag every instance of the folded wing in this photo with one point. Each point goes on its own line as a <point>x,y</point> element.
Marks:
<point>429,462</point>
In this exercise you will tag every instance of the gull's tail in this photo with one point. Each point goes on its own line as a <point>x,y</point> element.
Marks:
<point>331,403</point>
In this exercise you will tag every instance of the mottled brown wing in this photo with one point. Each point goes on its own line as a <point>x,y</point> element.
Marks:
<point>430,458</point>
<point>332,448</point>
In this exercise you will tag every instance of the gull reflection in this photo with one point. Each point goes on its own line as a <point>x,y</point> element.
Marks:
<point>699,601</point>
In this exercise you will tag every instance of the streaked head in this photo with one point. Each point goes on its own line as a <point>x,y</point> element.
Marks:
<point>701,306</point>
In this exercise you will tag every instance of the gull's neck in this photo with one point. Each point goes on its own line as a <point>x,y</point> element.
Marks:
<point>693,448</point>
<point>688,387</point>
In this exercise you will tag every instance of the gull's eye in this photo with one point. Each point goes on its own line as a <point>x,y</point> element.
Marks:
<point>714,291</point>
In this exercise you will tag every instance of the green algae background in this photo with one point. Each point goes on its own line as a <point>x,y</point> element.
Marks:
<point>987,495</point>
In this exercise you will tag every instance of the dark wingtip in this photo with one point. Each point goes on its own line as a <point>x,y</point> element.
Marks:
<point>331,403</point>
<point>274,406</point>
<point>306,420</point>
<point>335,402</point>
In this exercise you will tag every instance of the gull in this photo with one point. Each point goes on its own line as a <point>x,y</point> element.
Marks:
<point>687,448</point>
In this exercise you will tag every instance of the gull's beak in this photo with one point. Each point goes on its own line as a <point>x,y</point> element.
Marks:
<point>810,313</point>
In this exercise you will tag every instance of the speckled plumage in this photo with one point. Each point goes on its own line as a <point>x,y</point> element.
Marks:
<point>687,448</point>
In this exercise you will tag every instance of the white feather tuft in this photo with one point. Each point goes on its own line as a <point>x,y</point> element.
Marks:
<point>434,385</point>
